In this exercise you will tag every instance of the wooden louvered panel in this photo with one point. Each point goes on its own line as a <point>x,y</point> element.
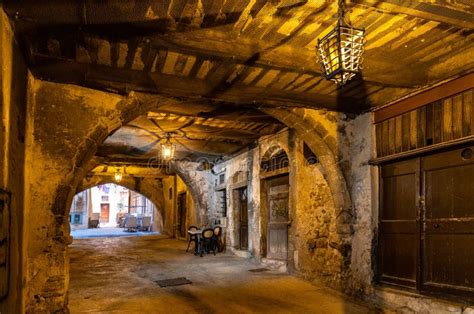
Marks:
<point>439,122</point>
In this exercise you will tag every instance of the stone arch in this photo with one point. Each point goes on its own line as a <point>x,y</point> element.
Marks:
<point>136,104</point>
<point>114,112</point>
<point>183,170</point>
<point>274,157</point>
<point>130,184</point>
<point>311,132</point>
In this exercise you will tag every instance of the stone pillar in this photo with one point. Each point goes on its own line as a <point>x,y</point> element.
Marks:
<point>64,127</point>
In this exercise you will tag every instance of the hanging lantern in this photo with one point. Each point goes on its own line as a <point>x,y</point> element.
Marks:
<point>118,176</point>
<point>341,50</point>
<point>167,149</point>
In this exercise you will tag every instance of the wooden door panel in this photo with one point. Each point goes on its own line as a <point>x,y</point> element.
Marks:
<point>399,197</point>
<point>399,260</point>
<point>278,216</point>
<point>449,259</point>
<point>182,213</point>
<point>104,213</point>
<point>399,228</point>
<point>244,237</point>
<point>449,223</point>
<point>278,241</point>
<point>450,192</point>
<point>243,210</point>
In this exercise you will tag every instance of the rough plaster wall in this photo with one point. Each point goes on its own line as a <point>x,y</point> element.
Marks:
<point>55,144</point>
<point>13,77</point>
<point>364,199</point>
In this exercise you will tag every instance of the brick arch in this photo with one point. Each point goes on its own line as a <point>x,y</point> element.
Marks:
<point>310,132</point>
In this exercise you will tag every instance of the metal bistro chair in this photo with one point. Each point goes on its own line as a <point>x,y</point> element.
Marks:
<point>207,241</point>
<point>131,224</point>
<point>192,237</point>
<point>145,223</point>
<point>217,239</point>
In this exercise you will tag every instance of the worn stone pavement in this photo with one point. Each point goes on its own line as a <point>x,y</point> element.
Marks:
<point>116,275</point>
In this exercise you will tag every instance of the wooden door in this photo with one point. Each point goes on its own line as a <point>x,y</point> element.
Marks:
<point>398,234</point>
<point>278,217</point>
<point>182,214</point>
<point>449,222</point>
<point>104,213</point>
<point>426,230</point>
<point>243,216</point>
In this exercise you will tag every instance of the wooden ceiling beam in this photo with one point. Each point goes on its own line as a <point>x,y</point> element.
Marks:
<point>284,58</point>
<point>124,81</point>
<point>443,13</point>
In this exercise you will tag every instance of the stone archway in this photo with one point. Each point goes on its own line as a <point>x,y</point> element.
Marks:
<point>310,131</point>
<point>55,170</point>
<point>153,192</point>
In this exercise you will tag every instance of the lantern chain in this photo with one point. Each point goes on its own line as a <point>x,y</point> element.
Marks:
<point>340,11</point>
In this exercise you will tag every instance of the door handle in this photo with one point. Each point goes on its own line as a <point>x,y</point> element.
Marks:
<point>436,226</point>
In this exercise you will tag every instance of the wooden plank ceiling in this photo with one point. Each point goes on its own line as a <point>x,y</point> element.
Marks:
<point>203,131</point>
<point>244,51</point>
<point>238,53</point>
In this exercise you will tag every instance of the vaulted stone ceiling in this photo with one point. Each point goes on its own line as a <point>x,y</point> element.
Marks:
<point>222,58</point>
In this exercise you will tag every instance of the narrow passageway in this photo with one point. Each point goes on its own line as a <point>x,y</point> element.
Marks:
<point>118,275</point>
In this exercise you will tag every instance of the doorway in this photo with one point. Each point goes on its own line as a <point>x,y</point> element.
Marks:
<point>104,213</point>
<point>182,215</point>
<point>277,191</point>
<point>426,223</point>
<point>243,218</point>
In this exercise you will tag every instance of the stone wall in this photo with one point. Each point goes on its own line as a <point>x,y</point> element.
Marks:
<point>56,149</point>
<point>326,244</point>
<point>314,246</point>
<point>13,78</point>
